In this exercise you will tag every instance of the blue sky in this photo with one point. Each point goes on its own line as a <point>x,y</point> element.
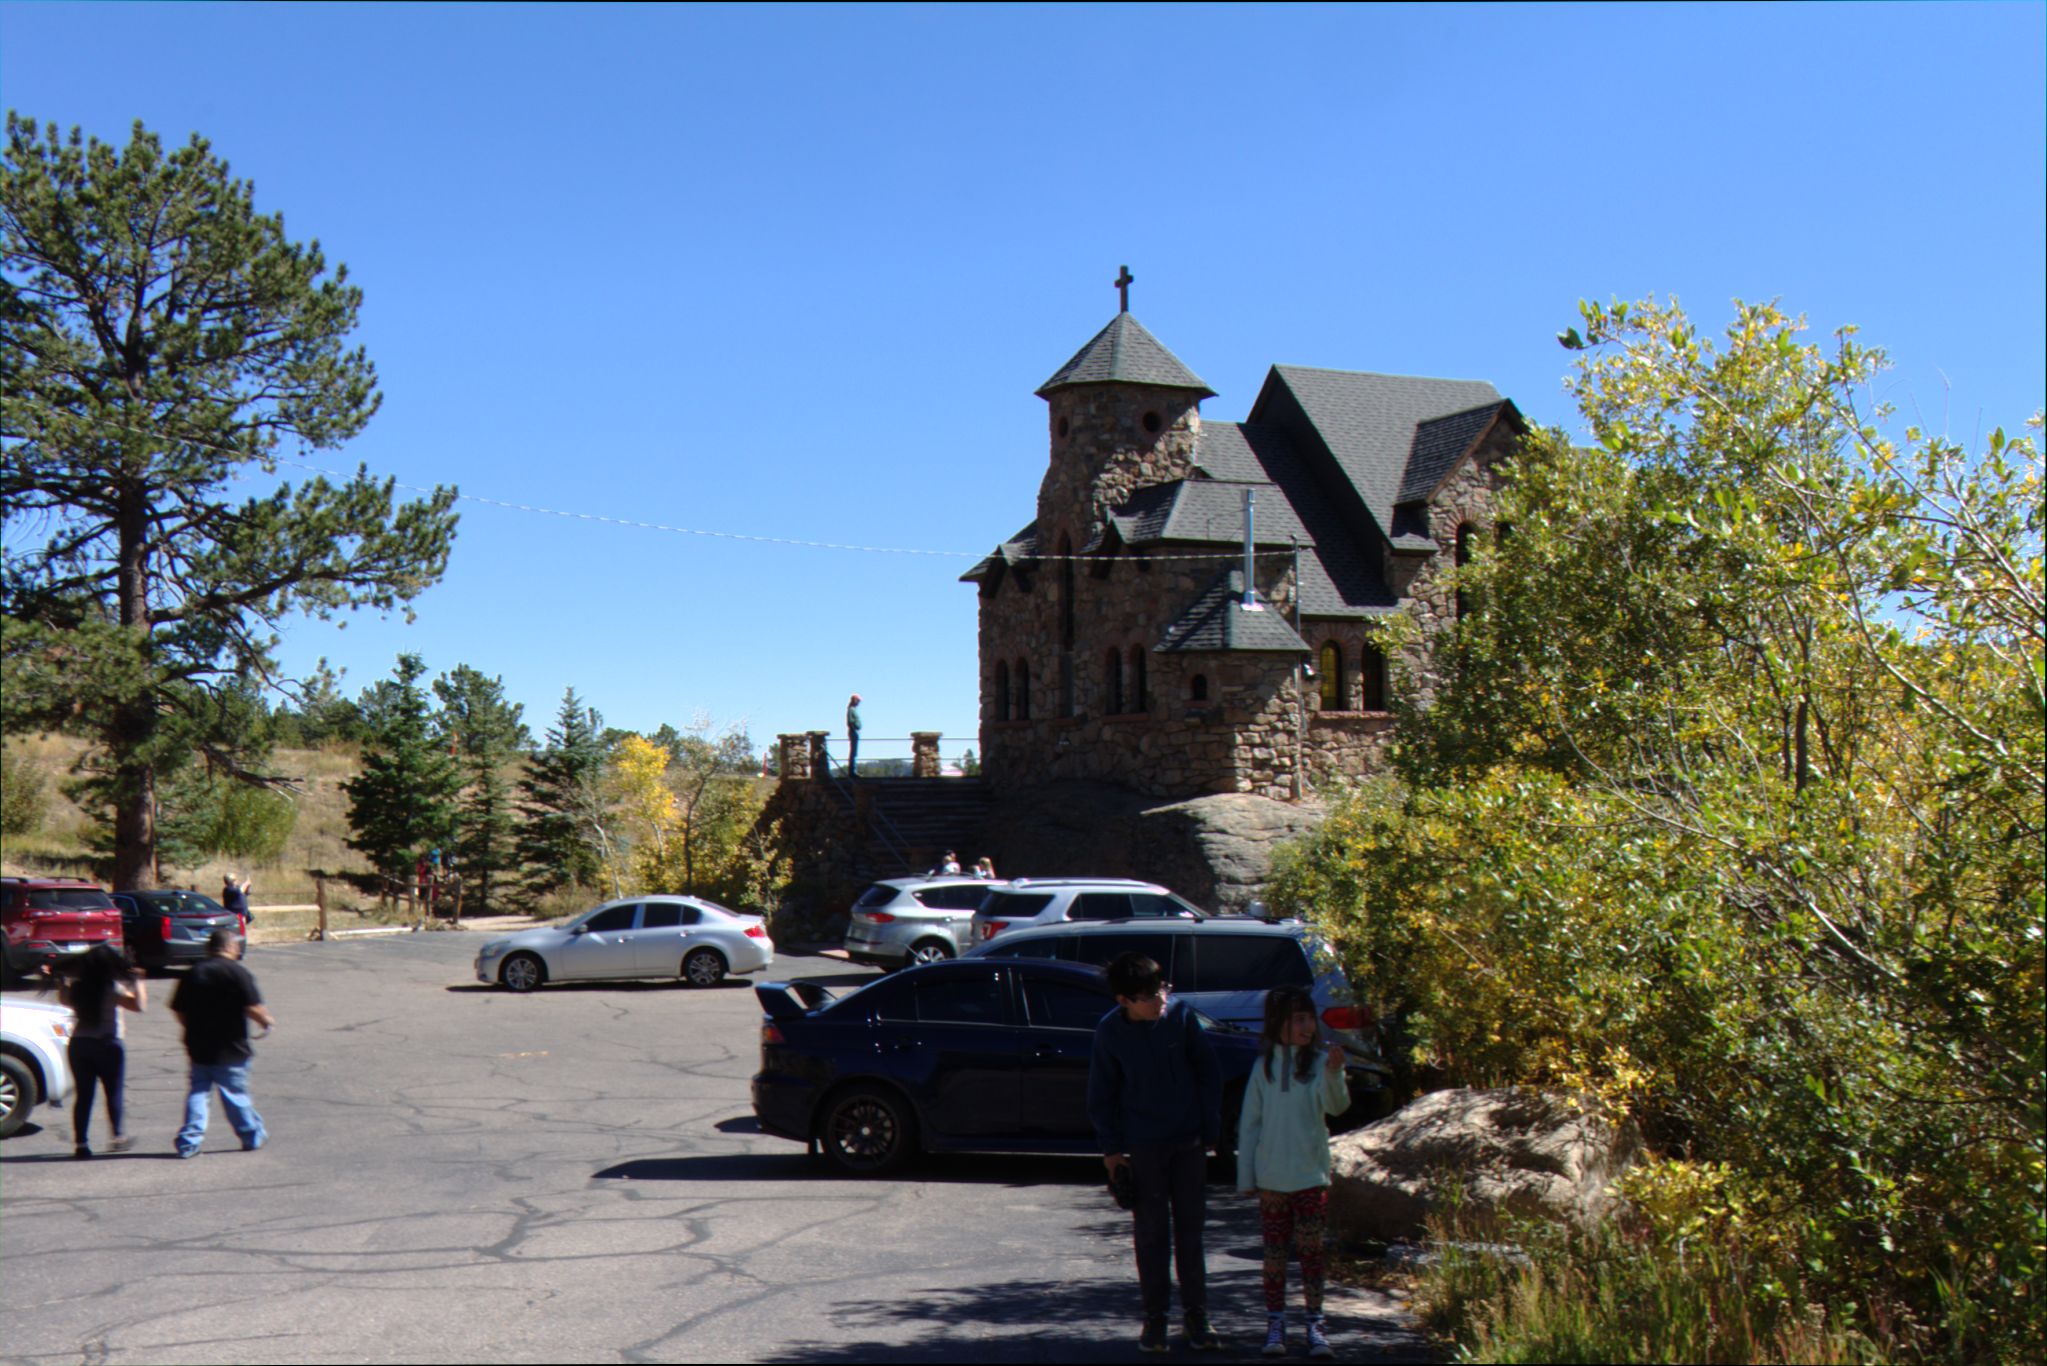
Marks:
<point>795,272</point>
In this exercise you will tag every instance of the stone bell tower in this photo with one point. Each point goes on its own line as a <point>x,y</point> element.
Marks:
<point>1125,413</point>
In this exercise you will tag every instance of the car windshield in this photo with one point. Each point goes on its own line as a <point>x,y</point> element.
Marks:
<point>66,899</point>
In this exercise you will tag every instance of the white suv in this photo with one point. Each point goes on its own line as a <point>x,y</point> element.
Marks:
<point>33,1066</point>
<point>1048,900</point>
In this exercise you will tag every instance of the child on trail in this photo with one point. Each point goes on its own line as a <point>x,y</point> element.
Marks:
<point>1154,1095</point>
<point>1283,1154</point>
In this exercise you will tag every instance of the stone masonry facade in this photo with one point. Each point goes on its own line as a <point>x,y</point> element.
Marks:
<point>1078,679</point>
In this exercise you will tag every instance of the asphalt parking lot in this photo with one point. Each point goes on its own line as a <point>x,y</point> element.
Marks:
<point>455,1173</point>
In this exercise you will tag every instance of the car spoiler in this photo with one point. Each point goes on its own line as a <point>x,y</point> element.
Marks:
<point>787,1000</point>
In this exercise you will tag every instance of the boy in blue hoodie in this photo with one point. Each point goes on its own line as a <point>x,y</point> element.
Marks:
<point>1154,1095</point>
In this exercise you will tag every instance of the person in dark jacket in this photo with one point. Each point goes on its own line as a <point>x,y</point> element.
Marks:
<point>1154,1096</point>
<point>216,1002</point>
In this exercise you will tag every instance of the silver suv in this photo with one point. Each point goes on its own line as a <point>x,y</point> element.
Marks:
<point>1048,900</point>
<point>909,920</point>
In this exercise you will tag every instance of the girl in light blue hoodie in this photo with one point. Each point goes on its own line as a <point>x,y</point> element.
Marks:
<point>1283,1154</point>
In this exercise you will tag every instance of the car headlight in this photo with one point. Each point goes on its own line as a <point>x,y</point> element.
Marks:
<point>494,948</point>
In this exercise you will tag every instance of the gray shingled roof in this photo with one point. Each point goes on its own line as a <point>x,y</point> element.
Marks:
<point>1021,547</point>
<point>1339,567</point>
<point>1123,352</point>
<point>1216,621</point>
<point>1439,444</point>
<point>1368,421</point>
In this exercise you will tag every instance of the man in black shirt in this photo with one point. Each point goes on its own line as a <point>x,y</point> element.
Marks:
<point>215,1002</point>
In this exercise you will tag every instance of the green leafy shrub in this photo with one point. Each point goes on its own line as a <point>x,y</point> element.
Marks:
<point>24,795</point>
<point>1727,807</point>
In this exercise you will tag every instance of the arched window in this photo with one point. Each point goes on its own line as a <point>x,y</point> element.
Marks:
<point>1331,668</point>
<point>1066,592</point>
<point>1138,701</point>
<point>1002,690</point>
<point>1197,688</point>
<point>1023,690</point>
<point>1465,537</point>
<point>1373,670</point>
<point>1112,683</point>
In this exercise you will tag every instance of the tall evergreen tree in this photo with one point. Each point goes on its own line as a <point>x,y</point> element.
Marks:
<point>403,800</point>
<point>159,339</point>
<point>484,734</point>
<point>562,826</point>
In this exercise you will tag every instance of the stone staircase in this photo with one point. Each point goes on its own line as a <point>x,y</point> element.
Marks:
<point>911,822</point>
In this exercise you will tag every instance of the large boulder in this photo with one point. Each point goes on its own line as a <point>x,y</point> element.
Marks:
<point>1216,851</point>
<point>1512,1151</point>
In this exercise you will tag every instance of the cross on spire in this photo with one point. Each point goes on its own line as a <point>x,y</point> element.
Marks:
<point>1123,279</point>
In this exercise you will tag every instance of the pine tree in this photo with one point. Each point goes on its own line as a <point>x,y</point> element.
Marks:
<point>403,801</point>
<point>160,341</point>
<point>483,733</point>
<point>560,812</point>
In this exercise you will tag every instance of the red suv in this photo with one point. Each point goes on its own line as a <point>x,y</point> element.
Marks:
<point>47,918</point>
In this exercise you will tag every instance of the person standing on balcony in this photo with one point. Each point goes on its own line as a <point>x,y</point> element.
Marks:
<point>853,737</point>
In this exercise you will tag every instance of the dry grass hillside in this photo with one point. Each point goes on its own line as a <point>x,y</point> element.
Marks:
<point>318,839</point>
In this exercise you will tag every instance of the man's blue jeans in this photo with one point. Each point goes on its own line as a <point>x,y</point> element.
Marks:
<point>232,1081</point>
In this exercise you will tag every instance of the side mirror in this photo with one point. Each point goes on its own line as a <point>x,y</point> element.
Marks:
<point>579,929</point>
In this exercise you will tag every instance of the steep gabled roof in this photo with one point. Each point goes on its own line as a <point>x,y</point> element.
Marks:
<point>1124,353</point>
<point>1367,422</point>
<point>1441,442</point>
<point>1217,621</point>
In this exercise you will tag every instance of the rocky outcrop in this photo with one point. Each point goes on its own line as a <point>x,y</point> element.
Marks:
<point>1215,851</point>
<point>1511,1151</point>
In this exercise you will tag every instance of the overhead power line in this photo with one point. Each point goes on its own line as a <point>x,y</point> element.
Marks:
<point>607,520</point>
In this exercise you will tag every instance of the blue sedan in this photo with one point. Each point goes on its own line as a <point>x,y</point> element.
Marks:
<point>986,1055</point>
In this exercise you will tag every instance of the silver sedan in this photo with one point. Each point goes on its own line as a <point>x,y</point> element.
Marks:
<point>649,936</point>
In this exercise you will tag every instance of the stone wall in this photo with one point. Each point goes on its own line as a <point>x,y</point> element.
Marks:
<point>1465,498</point>
<point>1108,441</point>
<point>1165,740</point>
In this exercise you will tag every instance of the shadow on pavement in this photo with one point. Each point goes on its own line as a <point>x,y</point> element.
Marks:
<point>1096,1320</point>
<point>608,984</point>
<point>796,1165</point>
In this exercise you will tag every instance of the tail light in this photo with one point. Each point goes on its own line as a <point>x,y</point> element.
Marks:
<point>993,927</point>
<point>163,928</point>
<point>877,917</point>
<point>242,925</point>
<point>756,932</point>
<point>1347,1017</point>
<point>771,1034</point>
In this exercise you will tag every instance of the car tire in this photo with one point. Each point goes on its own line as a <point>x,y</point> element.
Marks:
<point>522,972</point>
<point>927,951</point>
<point>703,967</point>
<point>18,1094</point>
<point>867,1131</point>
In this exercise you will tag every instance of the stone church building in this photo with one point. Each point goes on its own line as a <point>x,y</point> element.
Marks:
<point>1120,642</point>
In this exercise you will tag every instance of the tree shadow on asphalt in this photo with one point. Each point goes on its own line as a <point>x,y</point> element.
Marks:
<point>608,984</point>
<point>984,1169</point>
<point>1089,1320</point>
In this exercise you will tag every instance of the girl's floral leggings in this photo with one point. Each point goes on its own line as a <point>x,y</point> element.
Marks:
<point>1294,1219</point>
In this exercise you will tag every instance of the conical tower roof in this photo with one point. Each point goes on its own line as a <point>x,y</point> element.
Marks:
<point>1124,353</point>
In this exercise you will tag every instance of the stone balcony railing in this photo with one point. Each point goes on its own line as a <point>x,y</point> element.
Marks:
<point>805,755</point>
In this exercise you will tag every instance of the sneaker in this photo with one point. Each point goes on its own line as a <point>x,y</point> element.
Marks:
<point>1275,1335</point>
<point>120,1143</point>
<point>1153,1338</point>
<point>81,1151</point>
<point>1318,1341</point>
<point>1200,1337</point>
